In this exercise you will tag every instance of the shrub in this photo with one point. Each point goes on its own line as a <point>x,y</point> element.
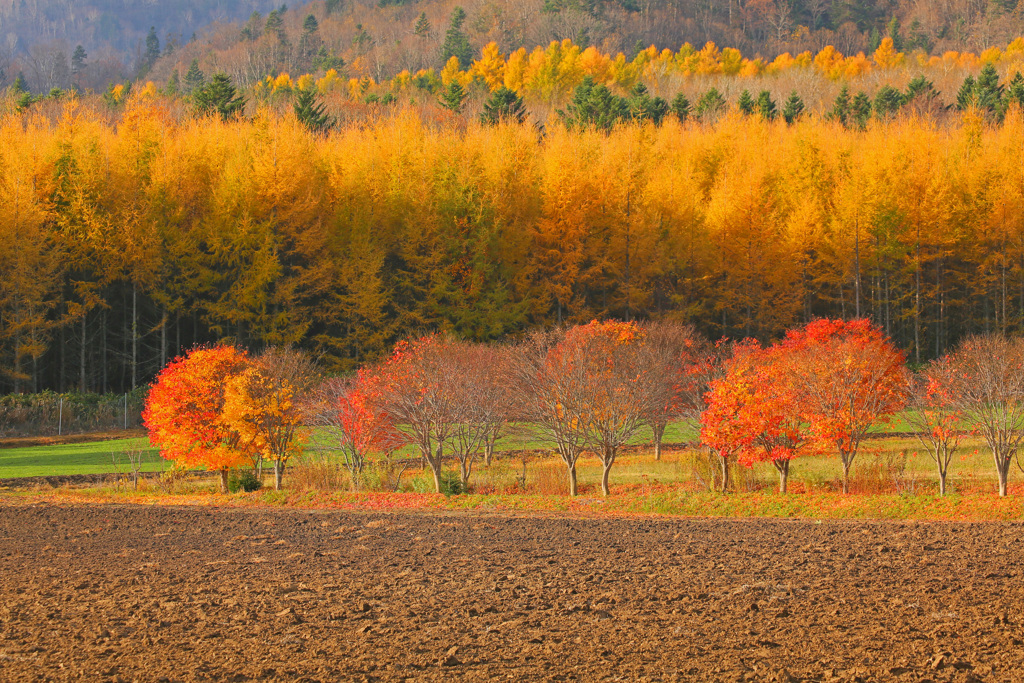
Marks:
<point>244,480</point>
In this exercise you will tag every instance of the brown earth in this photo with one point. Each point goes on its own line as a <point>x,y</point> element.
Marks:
<point>163,594</point>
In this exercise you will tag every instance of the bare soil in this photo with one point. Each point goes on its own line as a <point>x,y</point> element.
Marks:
<point>166,594</point>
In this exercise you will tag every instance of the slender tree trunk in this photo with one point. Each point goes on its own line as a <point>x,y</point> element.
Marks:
<point>573,489</point>
<point>604,479</point>
<point>437,477</point>
<point>135,340</point>
<point>783,467</point>
<point>847,463</point>
<point>465,469</point>
<point>224,481</point>
<point>724,460</point>
<point>163,341</point>
<point>81,356</point>
<point>278,474</point>
<point>1003,470</point>
<point>659,435</point>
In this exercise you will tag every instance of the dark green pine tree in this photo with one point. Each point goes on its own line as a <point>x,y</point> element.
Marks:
<point>892,30</point>
<point>78,60</point>
<point>20,85</point>
<point>453,97</point>
<point>456,44</point>
<point>1015,92</point>
<point>594,106</point>
<point>989,93</point>
<point>503,106</point>
<point>710,105</point>
<point>888,101</point>
<point>253,28</point>
<point>274,26</point>
<point>422,28</point>
<point>793,109</point>
<point>311,112</point>
<point>920,87</point>
<point>766,106</point>
<point>194,78</point>
<point>841,107</point>
<point>746,103</point>
<point>219,96</point>
<point>310,25</point>
<point>152,47</point>
<point>173,84</point>
<point>681,107</point>
<point>643,107</point>
<point>967,97</point>
<point>860,111</point>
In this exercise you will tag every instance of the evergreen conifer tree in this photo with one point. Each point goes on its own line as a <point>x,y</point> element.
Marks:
<point>78,60</point>
<point>966,97</point>
<point>860,110</point>
<point>456,44</point>
<point>710,105</point>
<point>841,107</point>
<point>173,84</point>
<point>194,78</point>
<point>422,28</point>
<point>681,107</point>
<point>311,112</point>
<point>219,96</point>
<point>152,47</point>
<point>453,97</point>
<point>643,107</point>
<point>504,105</point>
<point>793,109</point>
<point>888,101</point>
<point>766,106</point>
<point>746,103</point>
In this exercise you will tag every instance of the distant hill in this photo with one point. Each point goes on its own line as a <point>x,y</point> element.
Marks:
<point>251,39</point>
<point>39,37</point>
<point>384,37</point>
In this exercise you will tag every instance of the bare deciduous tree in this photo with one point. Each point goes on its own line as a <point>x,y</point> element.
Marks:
<point>987,385</point>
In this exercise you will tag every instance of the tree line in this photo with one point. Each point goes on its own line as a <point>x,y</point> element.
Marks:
<point>588,390</point>
<point>123,242</point>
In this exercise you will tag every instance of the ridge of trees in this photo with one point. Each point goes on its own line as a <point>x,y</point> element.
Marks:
<point>122,243</point>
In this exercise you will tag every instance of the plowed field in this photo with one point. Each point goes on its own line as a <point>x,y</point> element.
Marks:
<point>168,594</point>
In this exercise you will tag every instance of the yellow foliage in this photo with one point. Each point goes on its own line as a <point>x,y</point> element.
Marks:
<point>490,67</point>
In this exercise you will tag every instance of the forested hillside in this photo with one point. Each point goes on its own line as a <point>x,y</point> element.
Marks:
<point>251,39</point>
<point>38,38</point>
<point>121,243</point>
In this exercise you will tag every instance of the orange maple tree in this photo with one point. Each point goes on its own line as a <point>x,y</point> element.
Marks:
<point>358,423</point>
<point>937,419</point>
<point>184,408</point>
<point>847,377</point>
<point>751,412</point>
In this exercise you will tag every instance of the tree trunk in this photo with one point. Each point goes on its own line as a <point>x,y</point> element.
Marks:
<point>135,340</point>
<point>437,477</point>
<point>278,474</point>
<point>1003,469</point>
<point>725,472</point>
<point>942,483</point>
<point>604,478</point>
<point>659,434</point>
<point>847,462</point>
<point>464,471</point>
<point>223,481</point>
<point>783,467</point>
<point>573,489</point>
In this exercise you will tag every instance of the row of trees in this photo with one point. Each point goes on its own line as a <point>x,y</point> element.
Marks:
<point>122,244</point>
<point>590,389</point>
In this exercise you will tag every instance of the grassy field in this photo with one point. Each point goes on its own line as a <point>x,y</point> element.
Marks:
<point>97,457</point>
<point>889,465</point>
